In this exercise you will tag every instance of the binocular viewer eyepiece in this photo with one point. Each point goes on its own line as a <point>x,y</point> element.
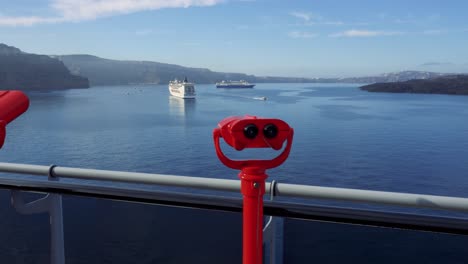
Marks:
<point>242,132</point>
<point>253,132</point>
<point>12,105</point>
<point>269,131</point>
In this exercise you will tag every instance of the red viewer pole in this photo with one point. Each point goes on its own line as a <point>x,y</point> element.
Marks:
<point>253,189</point>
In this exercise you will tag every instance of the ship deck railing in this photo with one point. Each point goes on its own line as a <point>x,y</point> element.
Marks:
<point>282,201</point>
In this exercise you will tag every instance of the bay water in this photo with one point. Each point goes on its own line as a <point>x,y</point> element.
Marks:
<point>344,137</point>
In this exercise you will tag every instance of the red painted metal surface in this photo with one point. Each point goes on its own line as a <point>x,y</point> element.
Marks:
<point>235,132</point>
<point>252,189</point>
<point>12,105</point>
<point>231,130</point>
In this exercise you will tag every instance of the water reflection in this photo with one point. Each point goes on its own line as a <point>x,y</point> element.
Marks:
<point>181,107</point>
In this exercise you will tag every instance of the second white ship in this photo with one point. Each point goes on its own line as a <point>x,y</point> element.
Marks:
<point>182,89</point>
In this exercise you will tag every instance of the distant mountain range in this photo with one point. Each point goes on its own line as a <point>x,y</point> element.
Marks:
<point>450,84</point>
<point>24,71</point>
<point>101,71</point>
<point>116,72</point>
<point>393,77</point>
<point>20,70</point>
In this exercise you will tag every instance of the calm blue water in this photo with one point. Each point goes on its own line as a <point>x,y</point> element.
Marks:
<point>344,137</point>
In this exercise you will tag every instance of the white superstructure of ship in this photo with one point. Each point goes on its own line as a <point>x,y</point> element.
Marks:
<point>182,89</point>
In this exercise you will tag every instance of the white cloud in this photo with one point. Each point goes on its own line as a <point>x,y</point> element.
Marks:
<point>309,19</point>
<point>410,19</point>
<point>435,63</point>
<point>27,21</point>
<point>92,9</point>
<point>322,22</point>
<point>301,34</point>
<point>81,10</point>
<point>364,33</point>
<point>301,15</point>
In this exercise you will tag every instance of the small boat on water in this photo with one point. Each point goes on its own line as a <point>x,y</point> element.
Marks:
<point>234,84</point>
<point>182,89</point>
<point>263,98</point>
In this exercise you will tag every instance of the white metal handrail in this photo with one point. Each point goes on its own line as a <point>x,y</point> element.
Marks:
<point>282,189</point>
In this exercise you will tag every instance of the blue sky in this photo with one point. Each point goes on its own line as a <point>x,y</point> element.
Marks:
<point>262,37</point>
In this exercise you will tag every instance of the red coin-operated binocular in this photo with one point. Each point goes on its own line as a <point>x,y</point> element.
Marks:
<point>242,132</point>
<point>12,105</point>
<point>253,132</point>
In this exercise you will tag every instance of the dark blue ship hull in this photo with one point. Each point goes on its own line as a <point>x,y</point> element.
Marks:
<point>235,86</point>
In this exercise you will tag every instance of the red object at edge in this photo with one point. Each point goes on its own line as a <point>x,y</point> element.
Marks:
<point>12,105</point>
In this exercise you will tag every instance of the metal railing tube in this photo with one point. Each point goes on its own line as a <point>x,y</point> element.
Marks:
<point>24,168</point>
<point>282,189</point>
<point>343,215</point>
<point>374,197</point>
<point>147,178</point>
<point>129,177</point>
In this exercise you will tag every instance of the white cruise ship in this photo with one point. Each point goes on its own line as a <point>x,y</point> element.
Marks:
<point>182,89</point>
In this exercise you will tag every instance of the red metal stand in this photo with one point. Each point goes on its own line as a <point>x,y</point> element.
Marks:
<point>252,175</point>
<point>252,189</point>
